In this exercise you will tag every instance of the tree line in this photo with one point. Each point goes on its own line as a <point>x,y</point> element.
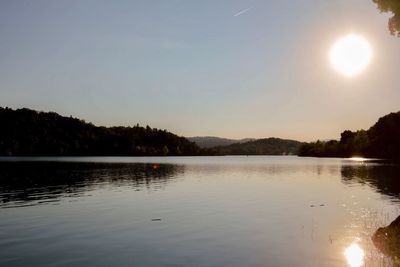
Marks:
<point>26,132</point>
<point>265,146</point>
<point>382,140</point>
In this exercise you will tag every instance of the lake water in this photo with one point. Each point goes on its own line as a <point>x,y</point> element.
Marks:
<point>194,211</point>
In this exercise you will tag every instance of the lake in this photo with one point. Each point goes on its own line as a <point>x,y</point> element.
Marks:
<point>194,211</point>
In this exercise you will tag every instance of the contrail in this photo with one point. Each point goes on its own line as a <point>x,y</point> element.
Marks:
<point>243,11</point>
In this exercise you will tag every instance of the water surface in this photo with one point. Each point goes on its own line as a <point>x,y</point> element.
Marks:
<point>193,211</point>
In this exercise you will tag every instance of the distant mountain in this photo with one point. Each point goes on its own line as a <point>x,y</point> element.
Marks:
<point>267,146</point>
<point>26,132</point>
<point>212,141</point>
<point>382,140</point>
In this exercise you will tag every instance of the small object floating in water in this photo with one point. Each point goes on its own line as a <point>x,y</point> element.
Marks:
<point>156,220</point>
<point>156,166</point>
<point>321,205</point>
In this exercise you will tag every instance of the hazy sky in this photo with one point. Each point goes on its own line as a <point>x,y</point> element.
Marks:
<point>227,68</point>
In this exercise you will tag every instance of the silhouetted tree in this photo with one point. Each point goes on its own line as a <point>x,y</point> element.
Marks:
<point>380,141</point>
<point>384,137</point>
<point>392,6</point>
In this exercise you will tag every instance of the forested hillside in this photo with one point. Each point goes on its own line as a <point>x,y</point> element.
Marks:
<point>26,132</point>
<point>266,146</point>
<point>382,140</point>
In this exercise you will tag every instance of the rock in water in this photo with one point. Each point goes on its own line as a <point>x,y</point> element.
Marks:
<point>387,240</point>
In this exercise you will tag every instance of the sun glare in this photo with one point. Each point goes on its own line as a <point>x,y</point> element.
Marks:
<point>358,159</point>
<point>354,255</point>
<point>350,55</point>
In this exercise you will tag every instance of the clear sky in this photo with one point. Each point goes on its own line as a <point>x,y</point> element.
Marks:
<point>229,68</point>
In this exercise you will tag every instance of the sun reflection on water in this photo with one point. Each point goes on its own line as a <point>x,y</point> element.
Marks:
<point>358,159</point>
<point>354,255</point>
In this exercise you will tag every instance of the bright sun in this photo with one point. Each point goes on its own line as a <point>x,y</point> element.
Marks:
<point>351,54</point>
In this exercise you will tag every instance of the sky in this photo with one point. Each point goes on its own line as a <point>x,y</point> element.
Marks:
<point>228,68</point>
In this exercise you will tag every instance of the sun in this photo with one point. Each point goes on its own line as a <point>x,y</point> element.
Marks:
<point>350,55</point>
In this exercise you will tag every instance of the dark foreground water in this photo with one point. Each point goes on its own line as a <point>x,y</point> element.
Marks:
<point>200,211</point>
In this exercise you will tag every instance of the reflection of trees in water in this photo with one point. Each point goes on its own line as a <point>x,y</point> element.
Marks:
<point>30,183</point>
<point>384,178</point>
